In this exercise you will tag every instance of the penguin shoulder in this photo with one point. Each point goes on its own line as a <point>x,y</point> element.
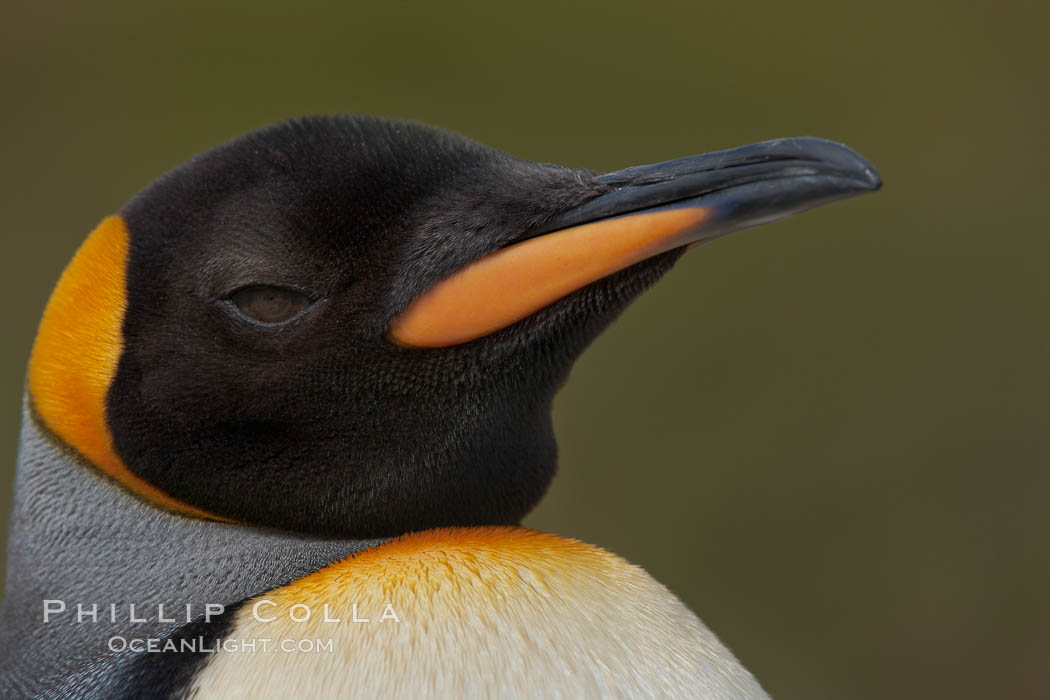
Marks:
<point>473,612</point>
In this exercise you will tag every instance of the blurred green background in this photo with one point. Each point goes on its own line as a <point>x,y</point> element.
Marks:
<point>828,436</point>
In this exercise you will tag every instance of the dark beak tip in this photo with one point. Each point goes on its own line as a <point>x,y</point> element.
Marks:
<point>835,155</point>
<point>874,178</point>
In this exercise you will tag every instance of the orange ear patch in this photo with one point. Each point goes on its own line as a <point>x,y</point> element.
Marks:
<point>75,356</point>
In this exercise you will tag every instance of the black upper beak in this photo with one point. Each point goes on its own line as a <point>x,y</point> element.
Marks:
<point>745,186</point>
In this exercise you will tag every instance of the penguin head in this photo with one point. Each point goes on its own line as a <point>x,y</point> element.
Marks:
<point>353,326</point>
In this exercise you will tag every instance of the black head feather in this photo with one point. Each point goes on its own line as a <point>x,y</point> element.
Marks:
<point>322,425</point>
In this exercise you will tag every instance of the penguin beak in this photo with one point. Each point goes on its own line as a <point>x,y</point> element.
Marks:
<point>650,209</point>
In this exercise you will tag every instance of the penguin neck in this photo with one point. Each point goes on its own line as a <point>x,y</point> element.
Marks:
<point>76,538</point>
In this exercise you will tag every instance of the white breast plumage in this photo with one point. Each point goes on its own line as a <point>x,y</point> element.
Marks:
<point>473,612</point>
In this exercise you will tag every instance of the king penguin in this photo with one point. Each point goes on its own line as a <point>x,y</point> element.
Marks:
<point>286,410</point>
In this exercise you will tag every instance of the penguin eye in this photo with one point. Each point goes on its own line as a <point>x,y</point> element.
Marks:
<point>269,305</point>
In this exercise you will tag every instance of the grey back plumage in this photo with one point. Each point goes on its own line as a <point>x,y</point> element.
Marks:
<point>77,537</point>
